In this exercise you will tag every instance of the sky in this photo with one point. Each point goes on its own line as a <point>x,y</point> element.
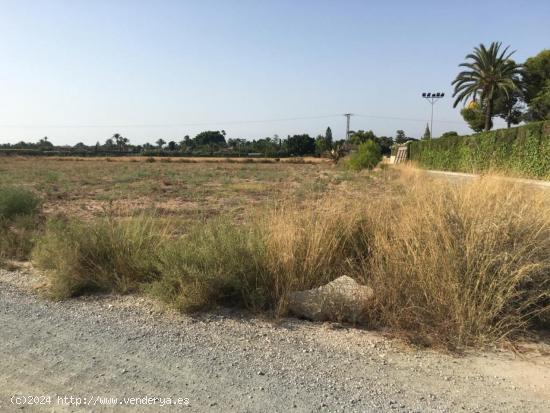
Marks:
<point>80,71</point>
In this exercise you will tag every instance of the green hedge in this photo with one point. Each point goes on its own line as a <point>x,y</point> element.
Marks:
<point>524,151</point>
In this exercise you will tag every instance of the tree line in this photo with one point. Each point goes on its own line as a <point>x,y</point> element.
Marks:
<point>216,143</point>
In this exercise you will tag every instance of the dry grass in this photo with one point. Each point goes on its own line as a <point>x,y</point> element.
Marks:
<point>451,263</point>
<point>113,255</point>
<point>459,264</point>
<point>309,246</point>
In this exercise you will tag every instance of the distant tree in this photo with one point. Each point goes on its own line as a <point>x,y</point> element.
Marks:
<point>172,146</point>
<point>449,134</point>
<point>509,107</point>
<point>160,143</point>
<point>109,144</point>
<point>368,155</point>
<point>328,136</point>
<point>489,73</point>
<point>120,141</point>
<point>44,143</point>
<point>361,136</point>
<point>536,82</point>
<point>300,145</point>
<point>400,136</point>
<point>210,138</point>
<point>323,144</point>
<point>427,135</point>
<point>385,144</point>
<point>475,117</point>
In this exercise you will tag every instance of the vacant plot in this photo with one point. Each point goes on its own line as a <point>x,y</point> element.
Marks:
<point>180,187</point>
<point>451,263</point>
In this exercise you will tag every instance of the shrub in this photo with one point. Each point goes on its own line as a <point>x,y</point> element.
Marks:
<point>19,222</point>
<point>215,263</point>
<point>368,155</point>
<point>459,264</point>
<point>105,255</point>
<point>16,201</point>
<point>257,265</point>
<point>17,237</point>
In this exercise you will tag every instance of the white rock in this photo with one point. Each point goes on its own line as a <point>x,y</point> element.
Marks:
<point>340,300</point>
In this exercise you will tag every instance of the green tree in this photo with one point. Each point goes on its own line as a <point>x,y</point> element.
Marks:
<point>160,142</point>
<point>475,118</point>
<point>300,145</point>
<point>120,141</point>
<point>361,136</point>
<point>427,135</point>
<point>44,143</point>
<point>328,137</point>
<point>400,136</point>
<point>509,108</point>
<point>449,134</point>
<point>210,138</point>
<point>536,81</point>
<point>172,146</point>
<point>490,72</point>
<point>368,155</point>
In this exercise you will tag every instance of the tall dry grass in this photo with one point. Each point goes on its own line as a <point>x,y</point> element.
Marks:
<point>451,263</point>
<point>309,246</point>
<point>459,263</point>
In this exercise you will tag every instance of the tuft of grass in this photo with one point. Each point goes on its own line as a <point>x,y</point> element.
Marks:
<point>459,264</point>
<point>215,263</point>
<point>15,201</point>
<point>19,222</point>
<point>110,255</point>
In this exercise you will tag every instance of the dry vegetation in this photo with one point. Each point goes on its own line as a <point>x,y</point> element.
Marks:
<point>452,264</point>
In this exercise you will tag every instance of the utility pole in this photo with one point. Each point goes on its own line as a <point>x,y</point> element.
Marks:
<point>432,98</point>
<point>348,116</point>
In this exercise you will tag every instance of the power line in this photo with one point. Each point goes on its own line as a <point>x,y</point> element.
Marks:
<point>229,122</point>
<point>166,125</point>
<point>407,119</point>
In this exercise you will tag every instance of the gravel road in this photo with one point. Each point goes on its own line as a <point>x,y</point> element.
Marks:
<point>115,347</point>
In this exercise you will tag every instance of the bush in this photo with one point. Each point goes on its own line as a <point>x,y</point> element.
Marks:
<point>16,202</point>
<point>524,151</point>
<point>215,263</point>
<point>112,255</point>
<point>460,264</point>
<point>257,265</point>
<point>19,222</point>
<point>368,155</point>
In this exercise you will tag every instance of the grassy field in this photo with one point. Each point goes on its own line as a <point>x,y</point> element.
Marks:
<point>188,190</point>
<point>452,263</point>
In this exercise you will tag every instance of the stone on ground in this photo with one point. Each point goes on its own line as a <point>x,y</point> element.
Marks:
<point>340,300</point>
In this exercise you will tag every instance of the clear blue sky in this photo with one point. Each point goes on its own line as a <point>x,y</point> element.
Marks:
<point>83,70</point>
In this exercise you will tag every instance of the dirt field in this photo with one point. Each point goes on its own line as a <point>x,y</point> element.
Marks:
<point>191,190</point>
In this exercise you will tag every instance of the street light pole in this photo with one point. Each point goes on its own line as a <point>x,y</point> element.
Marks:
<point>432,98</point>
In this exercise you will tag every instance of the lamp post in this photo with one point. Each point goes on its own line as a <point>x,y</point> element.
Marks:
<point>432,98</point>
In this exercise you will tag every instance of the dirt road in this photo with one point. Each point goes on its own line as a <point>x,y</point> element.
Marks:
<point>101,348</point>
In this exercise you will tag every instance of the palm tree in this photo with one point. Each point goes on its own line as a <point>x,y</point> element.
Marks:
<point>490,73</point>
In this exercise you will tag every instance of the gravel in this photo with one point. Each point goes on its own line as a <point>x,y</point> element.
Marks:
<point>129,346</point>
